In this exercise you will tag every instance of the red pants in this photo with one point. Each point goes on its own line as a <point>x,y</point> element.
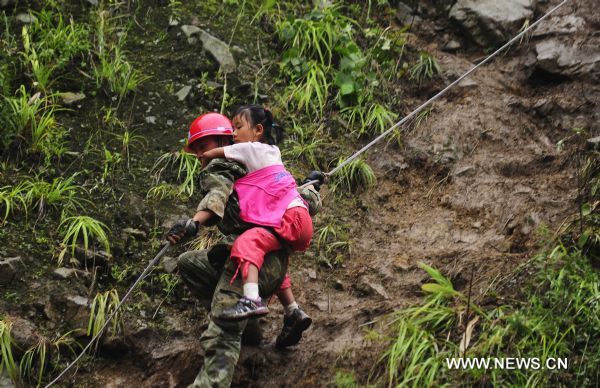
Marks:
<point>252,245</point>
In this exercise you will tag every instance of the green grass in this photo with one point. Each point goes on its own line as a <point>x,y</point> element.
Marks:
<point>370,119</point>
<point>77,228</point>
<point>32,120</point>
<point>424,69</point>
<point>50,44</point>
<point>7,363</point>
<point>311,90</point>
<point>60,193</point>
<point>104,304</point>
<point>354,175</point>
<point>188,167</point>
<point>303,143</point>
<point>12,198</point>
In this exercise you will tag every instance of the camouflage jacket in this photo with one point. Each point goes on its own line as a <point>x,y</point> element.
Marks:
<point>215,183</point>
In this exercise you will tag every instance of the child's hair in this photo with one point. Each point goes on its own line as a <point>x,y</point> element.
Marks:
<point>256,114</point>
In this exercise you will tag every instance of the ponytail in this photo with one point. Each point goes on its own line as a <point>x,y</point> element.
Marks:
<point>256,114</point>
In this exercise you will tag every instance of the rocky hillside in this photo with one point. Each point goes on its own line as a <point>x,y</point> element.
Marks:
<point>97,97</point>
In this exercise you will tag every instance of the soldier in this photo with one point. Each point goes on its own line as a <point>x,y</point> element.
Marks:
<point>208,272</point>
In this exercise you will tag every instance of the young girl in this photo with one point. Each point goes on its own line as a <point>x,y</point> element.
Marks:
<point>268,198</point>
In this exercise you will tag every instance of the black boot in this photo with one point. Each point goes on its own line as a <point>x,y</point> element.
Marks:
<point>293,326</point>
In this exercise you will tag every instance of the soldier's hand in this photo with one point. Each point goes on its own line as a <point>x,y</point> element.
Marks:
<point>315,176</point>
<point>184,228</point>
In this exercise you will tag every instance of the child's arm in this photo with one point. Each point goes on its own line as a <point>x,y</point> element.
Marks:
<point>214,153</point>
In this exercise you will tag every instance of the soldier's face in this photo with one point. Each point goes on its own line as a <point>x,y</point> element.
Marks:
<point>200,146</point>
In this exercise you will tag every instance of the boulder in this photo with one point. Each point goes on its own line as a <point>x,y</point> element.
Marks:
<point>566,59</point>
<point>219,50</point>
<point>69,309</point>
<point>183,92</point>
<point>24,333</point>
<point>490,23</point>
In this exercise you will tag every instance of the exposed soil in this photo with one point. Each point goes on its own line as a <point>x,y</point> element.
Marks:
<point>466,192</point>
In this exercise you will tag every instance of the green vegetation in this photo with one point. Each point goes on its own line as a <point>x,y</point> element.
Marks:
<point>188,168</point>
<point>104,304</point>
<point>77,228</point>
<point>8,362</point>
<point>353,175</point>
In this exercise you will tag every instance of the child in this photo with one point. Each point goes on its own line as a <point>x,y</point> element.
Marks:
<point>268,198</point>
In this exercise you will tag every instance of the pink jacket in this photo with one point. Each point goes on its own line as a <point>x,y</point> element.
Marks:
<point>265,194</point>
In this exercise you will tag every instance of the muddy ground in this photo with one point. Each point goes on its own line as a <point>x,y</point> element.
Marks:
<point>466,192</point>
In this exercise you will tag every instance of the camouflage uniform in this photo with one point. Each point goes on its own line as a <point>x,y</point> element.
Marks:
<point>208,273</point>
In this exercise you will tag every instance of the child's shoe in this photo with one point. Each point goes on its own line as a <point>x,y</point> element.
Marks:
<point>293,326</point>
<point>244,308</point>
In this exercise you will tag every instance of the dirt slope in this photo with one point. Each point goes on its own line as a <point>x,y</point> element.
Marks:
<point>466,193</point>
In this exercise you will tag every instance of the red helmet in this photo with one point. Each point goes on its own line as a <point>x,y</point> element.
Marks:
<point>209,124</point>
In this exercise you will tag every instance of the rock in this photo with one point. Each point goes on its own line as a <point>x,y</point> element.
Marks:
<point>9,268</point>
<point>5,3</point>
<point>594,140</point>
<point>401,263</point>
<point>93,2</point>
<point>169,264</point>
<point>173,22</point>
<point>559,25</point>
<point>26,18</point>
<point>137,234</point>
<point>405,15</point>
<point>568,60</point>
<point>312,274</point>
<point>150,119</point>
<point>490,22</point>
<point>452,46</point>
<point>5,381</point>
<point>219,50</point>
<point>70,309</point>
<point>371,288</point>
<point>183,92</point>
<point>189,31</point>
<point>69,98</point>
<point>94,257</point>
<point>338,285</point>
<point>24,333</point>
<point>467,83</point>
<point>65,273</point>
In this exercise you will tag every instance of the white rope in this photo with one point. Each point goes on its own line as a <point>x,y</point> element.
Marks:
<point>101,331</point>
<point>443,91</point>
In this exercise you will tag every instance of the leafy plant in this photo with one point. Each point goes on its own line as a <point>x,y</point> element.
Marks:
<point>353,175</point>
<point>129,140</point>
<point>6,341</point>
<point>84,228</point>
<point>424,69</point>
<point>114,70</point>
<point>372,120</point>
<point>302,143</point>
<point>311,89</point>
<point>35,360</point>
<point>37,193</point>
<point>188,167</point>
<point>12,197</point>
<point>314,35</point>
<point>32,120</point>
<point>103,305</point>
<point>416,352</point>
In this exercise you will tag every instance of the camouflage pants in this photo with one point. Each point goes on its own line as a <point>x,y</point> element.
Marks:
<point>208,274</point>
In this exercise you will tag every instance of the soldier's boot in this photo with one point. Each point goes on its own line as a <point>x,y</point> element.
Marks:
<point>293,326</point>
<point>243,309</point>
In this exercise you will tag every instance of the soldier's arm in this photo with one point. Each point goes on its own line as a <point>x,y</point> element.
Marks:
<point>312,197</point>
<point>216,184</point>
